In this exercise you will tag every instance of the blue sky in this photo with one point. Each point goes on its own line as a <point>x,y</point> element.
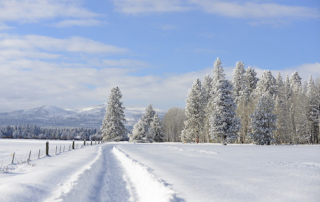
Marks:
<point>71,53</point>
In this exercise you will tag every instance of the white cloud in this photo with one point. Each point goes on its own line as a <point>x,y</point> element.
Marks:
<point>81,22</point>
<point>261,13</point>
<point>43,43</point>
<point>30,83</point>
<point>35,10</point>
<point>149,6</point>
<point>249,10</point>
<point>4,26</point>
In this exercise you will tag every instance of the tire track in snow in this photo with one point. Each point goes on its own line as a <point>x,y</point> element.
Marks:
<point>101,180</point>
<point>147,185</point>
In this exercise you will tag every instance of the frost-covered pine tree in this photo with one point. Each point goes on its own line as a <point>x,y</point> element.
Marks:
<point>148,116</point>
<point>250,80</point>
<point>223,123</point>
<point>207,86</point>
<point>112,127</point>
<point>193,126</point>
<point>155,130</point>
<point>295,82</point>
<point>218,74</point>
<point>266,84</point>
<point>263,120</point>
<point>238,80</point>
<point>139,132</point>
<point>313,110</point>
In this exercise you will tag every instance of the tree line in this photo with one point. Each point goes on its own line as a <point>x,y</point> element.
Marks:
<point>247,109</point>
<point>36,132</point>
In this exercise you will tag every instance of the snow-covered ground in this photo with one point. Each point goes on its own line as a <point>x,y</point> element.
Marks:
<point>165,172</point>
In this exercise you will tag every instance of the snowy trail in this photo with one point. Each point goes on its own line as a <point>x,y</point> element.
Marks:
<point>102,180</point>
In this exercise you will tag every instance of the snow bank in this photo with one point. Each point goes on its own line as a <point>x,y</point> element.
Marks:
<point>78,186</point>
<point>147,185</point>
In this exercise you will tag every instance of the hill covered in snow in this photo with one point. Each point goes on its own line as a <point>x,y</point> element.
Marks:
<point>51,116</point>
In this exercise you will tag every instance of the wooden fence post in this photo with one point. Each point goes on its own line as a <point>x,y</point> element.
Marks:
<point>91,142</point>
<point>56,149</point>
<point>73,144</point>
<point>13,157</point>
<point>84,142</point>
<point>29,157</point>
<point>39,154</point>
<point>47,148</point>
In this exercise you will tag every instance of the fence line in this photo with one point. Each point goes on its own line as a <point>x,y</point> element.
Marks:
<point>8,163</point>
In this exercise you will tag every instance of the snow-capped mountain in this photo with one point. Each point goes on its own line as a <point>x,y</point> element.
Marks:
<point>51,116</point>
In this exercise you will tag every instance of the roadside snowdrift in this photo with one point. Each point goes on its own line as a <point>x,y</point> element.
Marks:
<point>147,185</point>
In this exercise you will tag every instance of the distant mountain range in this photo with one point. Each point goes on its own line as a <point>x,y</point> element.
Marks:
<point>51,116</point>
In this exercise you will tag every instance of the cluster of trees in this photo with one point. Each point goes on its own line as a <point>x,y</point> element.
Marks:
<point>148,128</point>
<point>36,132</point>
<point>247,109</point>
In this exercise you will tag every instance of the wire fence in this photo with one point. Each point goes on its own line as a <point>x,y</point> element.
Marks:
<point>11,161</point>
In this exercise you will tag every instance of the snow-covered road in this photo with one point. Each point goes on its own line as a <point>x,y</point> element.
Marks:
<point>168,172</point>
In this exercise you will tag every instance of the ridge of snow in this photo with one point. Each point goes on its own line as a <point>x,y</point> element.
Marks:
<point>79,181</point>
<point>147,185</point>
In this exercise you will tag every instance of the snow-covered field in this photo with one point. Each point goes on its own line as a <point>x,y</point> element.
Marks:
<point>164,172</point>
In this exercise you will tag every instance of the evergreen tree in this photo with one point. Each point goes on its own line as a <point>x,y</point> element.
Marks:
<point>148,116</point>
<point>193,126</point>
<point>155,130</point>
<point>238,80</point>
<point>313,110</point>
<point>266,84</point>
<point>250,80</point>
<point>295,82</point>
<point>112,127</point>
<point>207,86</point>
<point>263,120</point>
<point>223,123</point>
<point>139,131</point>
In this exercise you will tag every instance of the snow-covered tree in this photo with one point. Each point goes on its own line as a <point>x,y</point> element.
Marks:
<point>238,80</point>
<point>224,124</point>
<point>155,130</point>
<point>266,84</point>
<point>295,82</point>
<point>148,116</point>
<point>193,126</point>
<point>139,132</point>
<point>207,86</point>
<point>112,127</point>
<point>173,124</point>
<point>313,110</point>
<point>263,120</point>
<point>218,73</point>
<point>250,80</point>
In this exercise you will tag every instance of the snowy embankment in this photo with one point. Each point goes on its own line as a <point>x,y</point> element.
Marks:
<point>147,185</point>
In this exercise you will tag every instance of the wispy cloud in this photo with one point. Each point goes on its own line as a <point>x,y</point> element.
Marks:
<point>150,6</point>
<point>79,22</point>
<point>250,10</point>
<point>257,12</point>
<point>35,10</point>
<point>43,43</point>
